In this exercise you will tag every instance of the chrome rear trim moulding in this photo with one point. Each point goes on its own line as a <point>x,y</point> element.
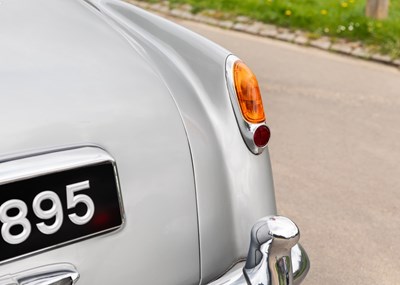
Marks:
<point>54,274</point>
<point>51,162</point>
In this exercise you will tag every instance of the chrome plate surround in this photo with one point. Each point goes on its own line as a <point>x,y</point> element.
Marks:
<point>59,161</point>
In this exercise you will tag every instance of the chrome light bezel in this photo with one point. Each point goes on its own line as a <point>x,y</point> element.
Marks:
<point>247,129</point>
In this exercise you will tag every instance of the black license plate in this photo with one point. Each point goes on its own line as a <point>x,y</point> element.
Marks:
<point>56,209</point>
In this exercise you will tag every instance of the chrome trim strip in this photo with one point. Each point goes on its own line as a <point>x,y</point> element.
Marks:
<point>61,273</point>
<point>246,129</point>
<point>44,163</point>
<point>33,166</point>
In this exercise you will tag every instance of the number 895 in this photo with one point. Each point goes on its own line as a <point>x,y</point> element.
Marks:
<point>56,211</point>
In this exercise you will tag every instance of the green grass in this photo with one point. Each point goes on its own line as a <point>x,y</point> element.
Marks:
<point>335,18</point>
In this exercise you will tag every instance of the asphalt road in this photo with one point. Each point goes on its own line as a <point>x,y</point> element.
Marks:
<point>335,152</point>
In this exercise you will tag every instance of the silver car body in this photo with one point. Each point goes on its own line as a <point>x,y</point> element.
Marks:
<point>154,96</point>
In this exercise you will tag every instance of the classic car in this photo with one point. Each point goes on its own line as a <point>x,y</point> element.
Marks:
<point>132,151</point>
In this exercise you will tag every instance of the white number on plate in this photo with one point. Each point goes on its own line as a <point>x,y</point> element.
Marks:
<point>81,198</point>
<point>55,211</point>
<point>19,219</point>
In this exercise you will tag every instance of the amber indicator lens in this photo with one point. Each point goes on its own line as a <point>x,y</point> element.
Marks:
<point>261,136</point>
<point>248,93</point>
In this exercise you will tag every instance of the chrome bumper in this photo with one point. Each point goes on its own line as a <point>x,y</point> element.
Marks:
<point>274,258</point>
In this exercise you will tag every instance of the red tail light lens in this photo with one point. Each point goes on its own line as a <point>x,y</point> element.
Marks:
<point>261,136</point>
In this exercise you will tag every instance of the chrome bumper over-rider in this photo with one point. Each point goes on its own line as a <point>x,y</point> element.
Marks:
<point>274,258</point>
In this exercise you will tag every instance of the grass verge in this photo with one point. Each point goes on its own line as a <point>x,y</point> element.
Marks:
<point>335,18</point>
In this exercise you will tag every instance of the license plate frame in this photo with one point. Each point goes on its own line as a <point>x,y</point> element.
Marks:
<point>27,178</point>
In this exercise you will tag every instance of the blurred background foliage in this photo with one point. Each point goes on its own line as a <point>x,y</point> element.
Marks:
<point>334,18</point>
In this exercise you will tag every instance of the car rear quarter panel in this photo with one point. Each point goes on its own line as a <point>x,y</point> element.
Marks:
<point>234,188</point>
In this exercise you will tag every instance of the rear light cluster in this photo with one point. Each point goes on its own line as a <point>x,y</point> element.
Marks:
<point>247,104</point>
